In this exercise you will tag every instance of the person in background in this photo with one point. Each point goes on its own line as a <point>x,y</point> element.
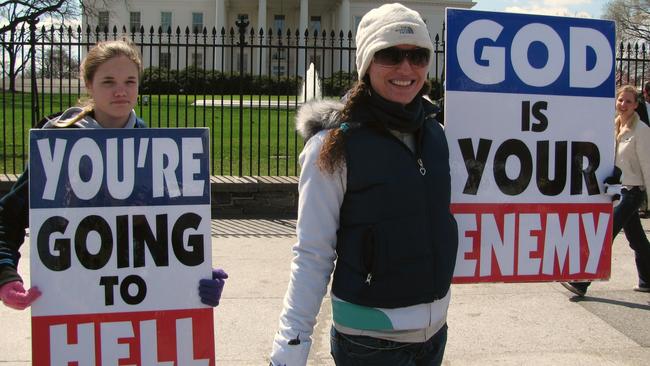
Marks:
<point>633,159</point>
<point>644,105</point>
<point>111,72</point>
<point>374,196</point>
<point>646,95</point>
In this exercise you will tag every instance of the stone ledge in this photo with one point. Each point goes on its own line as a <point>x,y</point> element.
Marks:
<point>252,196</point>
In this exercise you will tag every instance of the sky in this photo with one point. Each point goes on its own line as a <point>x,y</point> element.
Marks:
<point>573,8</point>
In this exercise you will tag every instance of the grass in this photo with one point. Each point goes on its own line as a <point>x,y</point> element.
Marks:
<point>269,143</point>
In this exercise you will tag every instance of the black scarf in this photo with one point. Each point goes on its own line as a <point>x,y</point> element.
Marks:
<point>376,110</point>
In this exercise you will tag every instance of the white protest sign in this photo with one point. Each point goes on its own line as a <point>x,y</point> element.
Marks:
<point>529,120</point>
<point>120,237</point>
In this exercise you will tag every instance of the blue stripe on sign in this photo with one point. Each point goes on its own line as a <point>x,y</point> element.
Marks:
<point>119,167</point>
<point>529,54</point>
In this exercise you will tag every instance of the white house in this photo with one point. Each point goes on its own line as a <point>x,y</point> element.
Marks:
<point>282,15</point>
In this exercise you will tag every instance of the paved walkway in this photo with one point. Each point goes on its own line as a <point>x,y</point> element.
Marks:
<point>489,324</point>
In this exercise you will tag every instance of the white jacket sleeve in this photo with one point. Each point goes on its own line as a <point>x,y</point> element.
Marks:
<point>319,203</point>
<point>642,145</point>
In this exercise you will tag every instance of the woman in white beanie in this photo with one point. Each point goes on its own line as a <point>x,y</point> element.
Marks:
<point>374,209</point>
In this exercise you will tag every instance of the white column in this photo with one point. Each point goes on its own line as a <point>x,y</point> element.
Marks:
<point>304,23</point>
<point>344,25</point>
<point>344,16</point>
<point>220,22</point>
<point>261,24</point>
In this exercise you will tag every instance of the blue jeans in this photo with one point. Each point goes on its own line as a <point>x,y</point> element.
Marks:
<point>349,350</point>
<point>626,218</point>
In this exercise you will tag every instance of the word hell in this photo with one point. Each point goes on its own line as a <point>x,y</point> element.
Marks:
<point>530,244</point>
<point>112,347</point>
<point>89,167</point>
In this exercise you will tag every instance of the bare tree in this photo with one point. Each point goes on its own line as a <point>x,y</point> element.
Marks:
<point>632,19</point>
<point>57,62</point>
<point>16,18</point>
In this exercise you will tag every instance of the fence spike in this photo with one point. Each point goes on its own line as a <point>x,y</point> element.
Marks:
<point>223,31</point>
<point>178,31</point>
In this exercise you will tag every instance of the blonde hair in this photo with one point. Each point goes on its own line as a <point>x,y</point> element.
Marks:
<point>99,54</point>
<point>618,122</point>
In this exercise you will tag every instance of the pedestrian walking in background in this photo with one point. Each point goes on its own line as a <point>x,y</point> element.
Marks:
<point>633,159</point>
<point>374,209</point>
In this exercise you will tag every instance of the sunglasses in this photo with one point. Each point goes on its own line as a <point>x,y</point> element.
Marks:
<point>394,56</point>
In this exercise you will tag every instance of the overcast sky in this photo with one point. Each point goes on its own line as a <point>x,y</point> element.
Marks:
<point>574,8</point>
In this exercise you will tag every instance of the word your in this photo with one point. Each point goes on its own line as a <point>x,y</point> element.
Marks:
<point>476,160</point>
<point>89,167</point>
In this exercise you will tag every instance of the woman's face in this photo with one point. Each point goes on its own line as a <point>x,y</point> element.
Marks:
<point>114,89</point>
<point>626,103</point>
<point>399,83</point>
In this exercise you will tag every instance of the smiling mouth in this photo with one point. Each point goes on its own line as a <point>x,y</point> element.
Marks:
<point>402,82</point>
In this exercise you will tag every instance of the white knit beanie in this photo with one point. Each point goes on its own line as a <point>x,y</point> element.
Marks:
<point>387,26</point>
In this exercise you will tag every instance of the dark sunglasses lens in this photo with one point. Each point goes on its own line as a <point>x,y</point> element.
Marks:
<point>419,57</point>
<point>393,56</point>
<point>389,56</point>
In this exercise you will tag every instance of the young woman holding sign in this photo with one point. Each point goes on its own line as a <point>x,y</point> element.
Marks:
<point>633,159</point>
<point>111,72</point>
<point>374,209</point>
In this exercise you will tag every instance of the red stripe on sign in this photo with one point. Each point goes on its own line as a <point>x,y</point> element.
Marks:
<point>164,338</point>
<point>533,242</point>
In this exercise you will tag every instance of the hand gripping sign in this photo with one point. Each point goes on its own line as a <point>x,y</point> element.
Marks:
<point>529,122</point>
<point>120,236</point>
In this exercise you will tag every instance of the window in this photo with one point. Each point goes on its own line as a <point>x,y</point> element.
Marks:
<point>164,60</point>
<point>166,20</point>
<point>357,20</point>
<point>278,23</point>
<point>134,21</point>
<point>103,20</point>
<point>197,60</point>
<point>197,22</point>
<point>314,25</point>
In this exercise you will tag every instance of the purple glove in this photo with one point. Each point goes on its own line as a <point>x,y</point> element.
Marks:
<point>210,290</point>
<point>14,295</point>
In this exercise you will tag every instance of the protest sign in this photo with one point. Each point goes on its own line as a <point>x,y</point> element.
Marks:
<point>120,236</point>
<point>529,107</point>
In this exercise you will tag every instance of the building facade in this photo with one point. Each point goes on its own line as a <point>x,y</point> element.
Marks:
<point>276,16</point>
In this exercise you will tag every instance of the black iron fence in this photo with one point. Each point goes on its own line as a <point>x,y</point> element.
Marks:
<point>244,84</point>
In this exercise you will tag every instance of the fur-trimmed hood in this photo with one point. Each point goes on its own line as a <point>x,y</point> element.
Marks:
<point>317,115</point>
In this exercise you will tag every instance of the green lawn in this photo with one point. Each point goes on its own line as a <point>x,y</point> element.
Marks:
<point>269,143</point>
